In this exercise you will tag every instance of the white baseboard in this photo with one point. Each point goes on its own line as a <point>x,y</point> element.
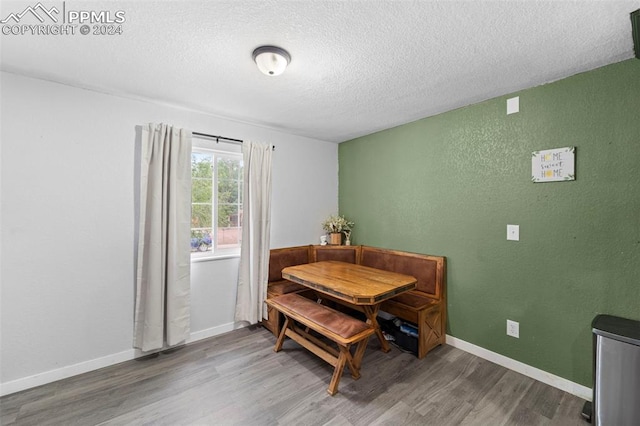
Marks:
<point>94,364</point>
<point>519,367</point>
<point>64,372</point>
<point>213,331</point>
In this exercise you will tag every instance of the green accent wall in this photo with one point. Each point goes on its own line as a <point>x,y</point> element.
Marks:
<point>449,185</point>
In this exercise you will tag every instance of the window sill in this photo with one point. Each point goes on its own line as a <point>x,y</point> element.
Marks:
<point>215,257</point>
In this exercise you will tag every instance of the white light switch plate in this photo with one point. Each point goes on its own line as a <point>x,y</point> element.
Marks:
<point>513,232</point>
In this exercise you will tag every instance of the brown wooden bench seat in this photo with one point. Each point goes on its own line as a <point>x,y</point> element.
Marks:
<point>336,326</point>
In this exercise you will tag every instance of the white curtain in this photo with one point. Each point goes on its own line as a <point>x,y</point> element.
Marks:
<point>256,224</point>
<point>162,315</point>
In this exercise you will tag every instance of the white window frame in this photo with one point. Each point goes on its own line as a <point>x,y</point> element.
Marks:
<point>202,146</point>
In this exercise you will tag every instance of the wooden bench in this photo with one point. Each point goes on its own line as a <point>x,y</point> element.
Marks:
<point>336,326</point>
<point>426,305</point>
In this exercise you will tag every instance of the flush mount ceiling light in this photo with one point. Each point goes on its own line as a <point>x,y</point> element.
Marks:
<point>271,60</point>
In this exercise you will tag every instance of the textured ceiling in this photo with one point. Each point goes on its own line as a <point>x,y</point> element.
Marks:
<point>357,66</point>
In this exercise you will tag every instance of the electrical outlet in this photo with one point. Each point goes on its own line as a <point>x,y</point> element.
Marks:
<point>513,232</point>
<point>513,329</point>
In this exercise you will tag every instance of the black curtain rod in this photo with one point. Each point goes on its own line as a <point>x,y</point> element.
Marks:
<point>218,138</point>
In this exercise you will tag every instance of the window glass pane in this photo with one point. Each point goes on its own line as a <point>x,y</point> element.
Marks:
<point>201,190</point>
<point>228,215</point>
<point>201,165</point>
<point>229,230</point>
<point>216,218</point>
<point>228,168</point>
<point>229,238</point>
<point>228,191</point>
<point>201,216</point>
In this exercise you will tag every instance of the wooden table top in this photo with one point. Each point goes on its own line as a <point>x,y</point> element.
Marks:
<point>356,284</point>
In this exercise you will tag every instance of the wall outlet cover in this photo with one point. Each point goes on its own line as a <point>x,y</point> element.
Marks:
<point>513,232</point>
<point>513,329</point>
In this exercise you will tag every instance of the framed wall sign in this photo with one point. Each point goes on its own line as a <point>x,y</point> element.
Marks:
<point>553,165</point>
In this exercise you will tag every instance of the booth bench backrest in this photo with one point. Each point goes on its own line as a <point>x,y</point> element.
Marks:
<point>347,254</point>
<point>285,257</point>
<point>428,270</point>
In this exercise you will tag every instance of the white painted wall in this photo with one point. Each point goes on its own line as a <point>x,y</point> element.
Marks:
<point>67,224</point>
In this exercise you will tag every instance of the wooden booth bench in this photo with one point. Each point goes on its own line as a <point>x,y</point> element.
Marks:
<point>336,326</point>
<point>425,306</point>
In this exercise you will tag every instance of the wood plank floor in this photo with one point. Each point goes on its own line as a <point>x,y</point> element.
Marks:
<point>237,379</point>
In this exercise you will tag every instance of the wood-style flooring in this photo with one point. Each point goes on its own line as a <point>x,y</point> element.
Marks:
<point>237,379</point>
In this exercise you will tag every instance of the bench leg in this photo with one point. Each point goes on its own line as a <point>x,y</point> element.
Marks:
<point>337,372</point>
<point>354,368</point>
<point>281,337</point>
<point>423,334</point>
<point>430,330</point>
<point>357,356</point>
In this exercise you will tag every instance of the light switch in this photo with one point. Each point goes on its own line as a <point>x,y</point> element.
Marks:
<point>513,105</point>
<point>513,232</point>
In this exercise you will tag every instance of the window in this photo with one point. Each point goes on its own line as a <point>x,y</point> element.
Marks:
<point>216,203</point>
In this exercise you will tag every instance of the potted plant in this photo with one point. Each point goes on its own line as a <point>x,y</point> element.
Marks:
<point>200,241</point>
<point>335,227</point>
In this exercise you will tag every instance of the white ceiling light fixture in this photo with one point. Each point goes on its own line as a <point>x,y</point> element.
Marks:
<point>271,60</point>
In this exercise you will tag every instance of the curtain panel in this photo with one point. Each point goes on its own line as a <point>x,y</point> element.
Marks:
<point>162,313</point>
<point>256,225</point>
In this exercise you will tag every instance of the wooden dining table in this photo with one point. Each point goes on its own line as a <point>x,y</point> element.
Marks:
<point>358,286</point>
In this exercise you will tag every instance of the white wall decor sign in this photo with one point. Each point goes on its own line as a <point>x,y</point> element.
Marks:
<point>553,165</point>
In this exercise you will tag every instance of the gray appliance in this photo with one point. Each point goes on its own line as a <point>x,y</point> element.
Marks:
<point>616,390</point>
